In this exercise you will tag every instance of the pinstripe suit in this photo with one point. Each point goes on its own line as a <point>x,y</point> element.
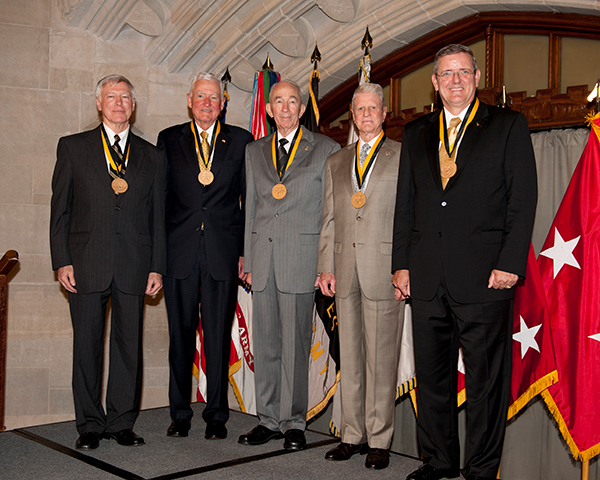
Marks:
<point>281,241</point>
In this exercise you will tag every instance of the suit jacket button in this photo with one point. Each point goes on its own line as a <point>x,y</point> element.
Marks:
<point>354,245</point>
<point>276,215</point>
<point>359,218</point>
<point>117,208</point>
<point>204,208</point>
<point>197,229</point>
<point>270,239</point>
<point>444,204</point>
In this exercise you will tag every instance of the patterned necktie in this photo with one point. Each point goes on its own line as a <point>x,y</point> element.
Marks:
<point>282,157</point>
<point>364,153</point>
<point>453,130</point>
<point>117,148</point>
<point>205,147</point>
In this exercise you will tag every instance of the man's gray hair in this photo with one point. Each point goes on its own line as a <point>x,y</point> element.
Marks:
<point>111,80</point>
<point>206,76</point>
<point>289,82</point>
<point>453,49</point>
<point>373,88</point>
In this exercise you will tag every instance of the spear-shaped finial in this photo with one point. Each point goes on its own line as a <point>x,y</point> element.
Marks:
<point>316,56</point>
<point>226,76</point>
<point>595,95</point>
<point>268,64</point>
<point>367,41</point>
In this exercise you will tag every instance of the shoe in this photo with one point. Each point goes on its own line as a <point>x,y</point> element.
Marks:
<point>345,450</point>
<point>126,438</point>
<point>294,439</point>
<point>427,472</point>
<point>377,458</point>
<point>215,429</point>
<point>179,428</point>
<point>88,441</point>
<point>259,435</point>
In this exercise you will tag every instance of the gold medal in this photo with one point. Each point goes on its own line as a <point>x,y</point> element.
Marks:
<point>119,185</point>
<point>358,200</point>
<point>206,177</point>
<point>447,168</point>
<point>279,191</point>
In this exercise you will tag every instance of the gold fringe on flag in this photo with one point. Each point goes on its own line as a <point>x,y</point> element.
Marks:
<point>584,456</point>
<point>321,405</point>
<point>534,389</point>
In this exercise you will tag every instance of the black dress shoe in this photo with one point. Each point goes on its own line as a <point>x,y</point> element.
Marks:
<point>179,428</point>
<point>344,451</point>
<point>294,440</point>
<point>215,429</point>
<point>126,438</point>
<point>259,435</point>
<point>427,472</point>
<point>377,458</point>
<point>88,441</point>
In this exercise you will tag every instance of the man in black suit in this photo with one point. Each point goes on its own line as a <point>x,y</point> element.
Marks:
<point>204,187</point>
<point>107,242</point>
<point>461,235</point>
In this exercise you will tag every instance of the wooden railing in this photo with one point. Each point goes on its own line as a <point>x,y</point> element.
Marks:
<point>8,261</point>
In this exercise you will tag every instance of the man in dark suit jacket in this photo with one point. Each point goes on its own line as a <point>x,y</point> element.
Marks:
<point>461,235</point>
<point>204,187</point>
<point>107,241</point>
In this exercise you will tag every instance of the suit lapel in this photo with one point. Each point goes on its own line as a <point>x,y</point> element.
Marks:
<point>98,158</point>
<point>432,142</point>
<point>305,148</point>
<point>383,159</point>
<point>189,148</point>
<point>268,156</point>
<point>134,162</point>
<point>469,141</point>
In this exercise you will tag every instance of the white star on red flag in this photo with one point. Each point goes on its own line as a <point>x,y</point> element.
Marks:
<point>526,337</point>
<point>595,337</point>
<point>562,252</point>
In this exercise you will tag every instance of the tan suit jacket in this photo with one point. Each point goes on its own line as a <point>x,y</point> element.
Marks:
<point>360,237</point>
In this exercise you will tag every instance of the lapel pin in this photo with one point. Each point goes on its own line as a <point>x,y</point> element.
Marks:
<point>223,140</point>
<point>306,148</point>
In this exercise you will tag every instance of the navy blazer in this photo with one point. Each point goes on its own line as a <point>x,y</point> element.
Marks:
<point>217,208</point>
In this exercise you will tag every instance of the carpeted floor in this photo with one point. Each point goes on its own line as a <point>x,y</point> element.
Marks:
<point>47,452</point>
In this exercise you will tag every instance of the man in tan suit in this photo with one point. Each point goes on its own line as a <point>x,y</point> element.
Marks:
<point>355,262</point>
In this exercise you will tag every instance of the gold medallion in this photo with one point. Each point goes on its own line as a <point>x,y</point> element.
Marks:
<point>206,177</point>
<point>447,168</point>
<point>119,185</point>
<point>359,199</point>
<point>279,191</point>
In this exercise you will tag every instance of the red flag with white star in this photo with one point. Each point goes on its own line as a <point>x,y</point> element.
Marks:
<point>569,264</point>
<point>533,362</point>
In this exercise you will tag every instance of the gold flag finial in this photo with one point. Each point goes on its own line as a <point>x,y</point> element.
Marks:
<point>268,64</point>
<point>367,41</point>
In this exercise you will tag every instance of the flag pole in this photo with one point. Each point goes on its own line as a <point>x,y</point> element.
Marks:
<point>585,470</point>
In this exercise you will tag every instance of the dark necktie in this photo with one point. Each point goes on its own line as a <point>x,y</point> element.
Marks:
<point>282,157</point>
<point>117,148</point>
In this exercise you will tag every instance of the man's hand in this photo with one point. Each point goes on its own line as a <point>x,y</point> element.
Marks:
<point>401,282</point>
<point>243,276</point>
<point>249,278</point>
<point>326,282</point>
<point>66,277</point>
<point>154,283</point>
<point>502,280</point>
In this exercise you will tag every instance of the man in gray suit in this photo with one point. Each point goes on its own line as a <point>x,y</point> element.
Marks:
<point>355,261</point>
<point>284,200</point>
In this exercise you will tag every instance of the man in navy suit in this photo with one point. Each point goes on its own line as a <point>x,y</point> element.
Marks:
<point>107,240</point>
<point>205,186</point>
<point>464,213</point>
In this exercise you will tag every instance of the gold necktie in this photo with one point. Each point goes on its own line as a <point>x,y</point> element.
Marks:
<point>447,170</point>
<point>205,147</point>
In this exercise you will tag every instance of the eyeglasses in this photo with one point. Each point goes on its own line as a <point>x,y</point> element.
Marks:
<point>448,74</point>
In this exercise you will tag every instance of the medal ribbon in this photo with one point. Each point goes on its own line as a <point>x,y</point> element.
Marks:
<point>117,168</point>
<point>205,163</point>
<point>295,142</point>
<point>451,149</point>
<point>361,173</point>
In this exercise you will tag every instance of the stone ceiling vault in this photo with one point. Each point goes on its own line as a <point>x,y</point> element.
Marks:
<point>187,36</point>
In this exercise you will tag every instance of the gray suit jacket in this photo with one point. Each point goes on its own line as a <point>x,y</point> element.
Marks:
<point>360,237</point>
<point>286,229</point>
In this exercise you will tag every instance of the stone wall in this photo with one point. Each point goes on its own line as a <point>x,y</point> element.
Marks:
<point>47,80</point>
